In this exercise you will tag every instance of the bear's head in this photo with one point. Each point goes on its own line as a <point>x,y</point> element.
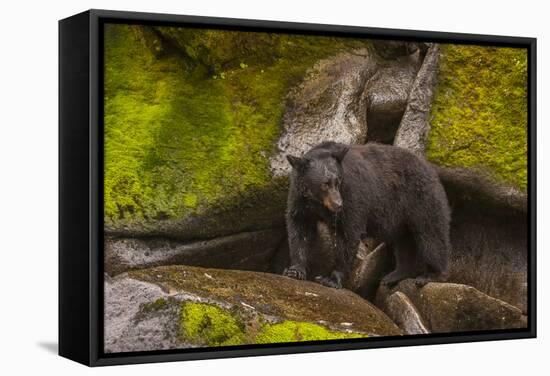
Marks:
<point>319,176</point>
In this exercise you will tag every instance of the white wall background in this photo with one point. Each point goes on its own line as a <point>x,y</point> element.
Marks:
<point>28,185</point>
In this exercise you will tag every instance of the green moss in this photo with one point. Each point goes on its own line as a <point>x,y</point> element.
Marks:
<point>210,325</point>
<point>293,331</point>
<point>157,305</point>
<point>178,137</point>
<point>479,114</point>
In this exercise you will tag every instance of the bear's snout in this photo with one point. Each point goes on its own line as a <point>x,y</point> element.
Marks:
<point>333,202</point>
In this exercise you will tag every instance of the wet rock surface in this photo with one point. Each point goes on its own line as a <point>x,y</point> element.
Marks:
<point>183,306</point>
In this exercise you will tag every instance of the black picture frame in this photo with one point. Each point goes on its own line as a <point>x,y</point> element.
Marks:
<point>81,196</point>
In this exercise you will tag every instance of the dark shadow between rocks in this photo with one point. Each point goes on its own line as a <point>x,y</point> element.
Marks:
<point>383,126</point>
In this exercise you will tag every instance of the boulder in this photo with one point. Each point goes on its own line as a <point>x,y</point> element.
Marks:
<point>415,125</point>
<point>328,104</point>
<point>452,307</point>
<point>370,266</point>
<point>176,307</point>
<point>245,251</point>
<point>403,312</point>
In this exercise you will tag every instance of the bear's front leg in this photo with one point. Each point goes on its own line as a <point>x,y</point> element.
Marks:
<point>346,250</point>
<point>300,238</point>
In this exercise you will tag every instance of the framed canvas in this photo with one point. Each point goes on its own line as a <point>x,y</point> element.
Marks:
<point>239,187</point>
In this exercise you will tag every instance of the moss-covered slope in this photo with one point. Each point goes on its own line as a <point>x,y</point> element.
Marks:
<point>191,116</point>
<point>479,114</point>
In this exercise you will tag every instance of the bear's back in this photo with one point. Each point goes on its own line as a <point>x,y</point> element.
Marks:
<point>392,184</point>
<point>391,160</point>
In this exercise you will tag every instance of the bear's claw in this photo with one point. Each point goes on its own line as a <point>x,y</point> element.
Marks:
<point>329,282</point>
<point>296,273</point>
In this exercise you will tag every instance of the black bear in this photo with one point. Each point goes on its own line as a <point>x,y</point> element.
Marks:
<point>383,191</point>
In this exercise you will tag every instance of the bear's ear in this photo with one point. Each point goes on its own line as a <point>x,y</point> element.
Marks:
<point>297,163</point>
<point>340,153</point>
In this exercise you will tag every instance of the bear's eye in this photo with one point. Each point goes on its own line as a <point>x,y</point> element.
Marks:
<point>325,186</point>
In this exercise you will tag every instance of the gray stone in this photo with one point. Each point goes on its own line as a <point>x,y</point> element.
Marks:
<point>403,312</point>
<point>328,105</point>
<point>246,251</point>
<point>415,125</point>
<point>451,307</point>
<point>127,328</point>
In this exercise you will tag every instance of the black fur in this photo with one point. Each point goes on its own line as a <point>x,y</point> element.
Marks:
<point>381,191</point>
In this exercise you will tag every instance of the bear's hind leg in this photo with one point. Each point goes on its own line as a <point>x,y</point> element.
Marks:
<point>405,262</point>
<point>433,259</point>
<point>422,280</point>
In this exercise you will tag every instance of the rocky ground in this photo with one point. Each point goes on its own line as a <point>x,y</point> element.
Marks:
<point>183,306</point>
<point>193,253</point>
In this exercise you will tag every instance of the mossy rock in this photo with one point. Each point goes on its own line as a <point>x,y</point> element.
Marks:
<point>183,307</point>
<point>191,119</point>
<point>479,113</point>
<point>210,325</point>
